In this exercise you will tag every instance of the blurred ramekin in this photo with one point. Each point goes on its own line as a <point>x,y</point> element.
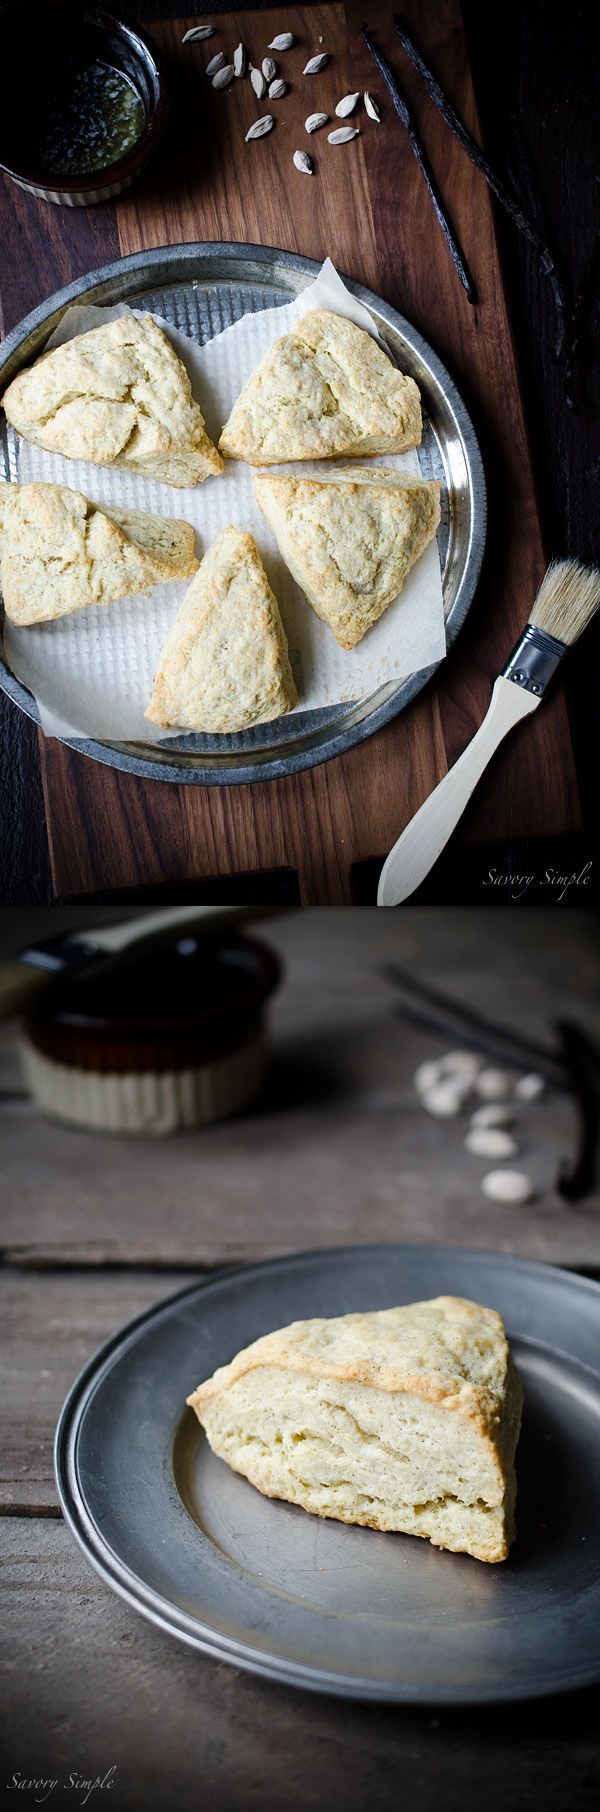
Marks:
<point>173,1040</point>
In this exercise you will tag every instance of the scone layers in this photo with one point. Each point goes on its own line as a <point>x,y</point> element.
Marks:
<point>60,553</point>
<point>323,390</point>
<point>116,396</point>
<point>350,538</point>
<point>224,664</point>
<point>403,1419</point>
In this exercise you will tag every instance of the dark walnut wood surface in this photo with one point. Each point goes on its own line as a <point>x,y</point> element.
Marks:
<point>95,1230</point>
<point>368,209</point>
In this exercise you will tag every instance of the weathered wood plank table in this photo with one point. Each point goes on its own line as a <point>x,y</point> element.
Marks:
<point>338,1150</point>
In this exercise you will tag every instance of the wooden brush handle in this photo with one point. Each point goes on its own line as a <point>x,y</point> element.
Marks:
<point>427,834</point>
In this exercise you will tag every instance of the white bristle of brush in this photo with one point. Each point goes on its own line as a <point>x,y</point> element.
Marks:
<point>567,599</point>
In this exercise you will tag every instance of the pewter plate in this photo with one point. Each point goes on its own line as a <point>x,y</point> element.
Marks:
<point>202,289</point>
<point>312,1602</point>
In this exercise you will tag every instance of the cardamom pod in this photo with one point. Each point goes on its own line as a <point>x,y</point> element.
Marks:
<point>261,127</point>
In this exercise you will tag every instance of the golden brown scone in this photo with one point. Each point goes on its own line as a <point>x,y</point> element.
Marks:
<point>401,1419</point>
<point>325,389</point>
<point>224,664</point>
<point>350,538</point>
<point>116,396</point>
<point>59,552</point>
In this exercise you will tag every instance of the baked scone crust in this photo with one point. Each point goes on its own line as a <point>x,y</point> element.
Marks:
<point>118,395</point>
<point>349,538</point>
<point>324,390</point>
<point>60,553</point>
<point>402,1419</point>
<point>225,663</point>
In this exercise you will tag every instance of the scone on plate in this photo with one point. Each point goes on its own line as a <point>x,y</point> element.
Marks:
<point>60,553</point>
<point>224,664</point>
<point>401,1419</point>
<point>116,396</point>
<point>323,390</point>
<point>349,538</point>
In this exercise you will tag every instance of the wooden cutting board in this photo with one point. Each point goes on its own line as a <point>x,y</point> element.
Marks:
<point>367,208</point>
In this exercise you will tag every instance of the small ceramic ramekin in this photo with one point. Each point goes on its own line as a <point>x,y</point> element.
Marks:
<point>101,34</point>
<point>168,1041</point>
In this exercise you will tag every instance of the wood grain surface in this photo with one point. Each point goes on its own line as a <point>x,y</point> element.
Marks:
<point>88,1686</point>
<point>367,208</point>
<point>338,1150</point>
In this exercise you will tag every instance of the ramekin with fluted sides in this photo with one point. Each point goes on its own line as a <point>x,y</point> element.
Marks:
<point>172,1040</point>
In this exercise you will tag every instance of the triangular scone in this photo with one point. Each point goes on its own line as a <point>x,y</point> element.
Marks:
<point>323,390</point>
<point>60,553</point>
<point>402,1419</point>
<point>350,538</point>
<point>224,664</point>
<point>116,396</point>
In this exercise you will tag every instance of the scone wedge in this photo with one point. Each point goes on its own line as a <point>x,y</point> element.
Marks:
<point>349,538</point>
<point>401,1419</point>
<point>60,553</point>
<point>326,389</point>
<point>118,395</point>
<point>224,664</point>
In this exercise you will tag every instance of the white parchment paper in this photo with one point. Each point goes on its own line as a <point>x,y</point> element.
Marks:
<point>92,672</point>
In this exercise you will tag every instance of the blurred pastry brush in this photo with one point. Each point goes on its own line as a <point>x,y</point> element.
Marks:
<point>567,599</point>
<point>31,970</point>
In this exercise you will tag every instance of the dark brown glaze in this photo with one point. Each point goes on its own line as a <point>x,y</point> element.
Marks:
<point>191,1004</point>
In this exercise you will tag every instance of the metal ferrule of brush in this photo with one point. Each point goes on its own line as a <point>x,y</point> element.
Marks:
<point>534,661</point>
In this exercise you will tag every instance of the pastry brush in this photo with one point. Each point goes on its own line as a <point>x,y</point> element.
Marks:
<point>33,969</point>
<point>567,599</point>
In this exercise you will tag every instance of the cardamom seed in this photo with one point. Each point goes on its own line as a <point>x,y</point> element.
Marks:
<point>261,127</point>
<point>343,135</point>
<point>197,33</point>
<point>223,76</point>
<point>346,106</point>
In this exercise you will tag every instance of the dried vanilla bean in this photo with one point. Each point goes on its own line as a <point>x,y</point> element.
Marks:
<point>507,200</point>
<point>533,226</point>
<point>404,113</point>
<point>582,1060</point>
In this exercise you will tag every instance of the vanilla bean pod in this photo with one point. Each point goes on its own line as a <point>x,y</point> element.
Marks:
<point>582,1059</point>
<point>454,1018</point>
<point>404,113</point>
<point>507,200</point>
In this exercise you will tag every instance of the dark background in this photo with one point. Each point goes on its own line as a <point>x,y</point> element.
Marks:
<point>539,62</point>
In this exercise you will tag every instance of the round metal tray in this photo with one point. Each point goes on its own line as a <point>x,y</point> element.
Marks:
<point>202,289</point>
<point>317,1603</point>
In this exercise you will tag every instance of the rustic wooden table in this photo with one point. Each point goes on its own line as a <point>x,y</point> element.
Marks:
<point>337,1151</point>
<point>320,835</point>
